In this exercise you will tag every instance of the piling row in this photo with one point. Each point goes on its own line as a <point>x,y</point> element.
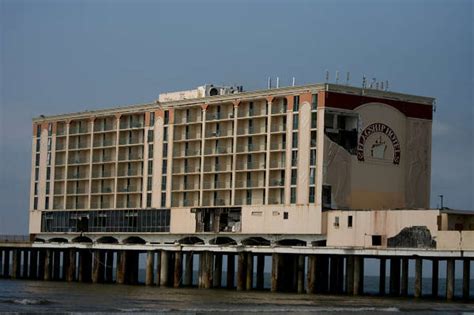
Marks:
<point>313,274</point>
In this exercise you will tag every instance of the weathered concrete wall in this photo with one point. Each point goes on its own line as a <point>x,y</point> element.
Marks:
<point>182,221</point>
<point>455,240</point>
<point>365,224</point>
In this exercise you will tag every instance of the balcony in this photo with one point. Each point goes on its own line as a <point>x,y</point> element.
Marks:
<point>190,136</point>
<point>78,130</point>
<point>217,185</point>
<point>186,169</point>
<point>129,189</point>
<point>218,150</point>
<point>278,128</point>
<point>132,141</point>
<point>277,182</point>
<point>219,116</point>
<point>227,132</point>
<point>106,143</point>
<point>78,176</point>
<point>278,146</point>
<point>251,166</point>
<point>277,163</point>
<point>79,146</point>
<point>191,119</point>
<point>103,159</point>
<point>248,184</point>
<point>251,131</point>
<point>186,153</point>
<point>73,161</point>
<point>222,167</point>
<point>130,157</point>
<point>103,174</point>
<point>250,148</point>
<point>188,186</point>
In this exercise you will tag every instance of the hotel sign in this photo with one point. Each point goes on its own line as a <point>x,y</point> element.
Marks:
<point>368,140</point>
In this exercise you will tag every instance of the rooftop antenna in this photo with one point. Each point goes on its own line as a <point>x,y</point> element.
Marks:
<point>364,82</point>
<point>441,197</point>
<point>348,76</point>
<point>278,83</point>
<point>337,76</point>
<point>327,76</point>
<point>294,79</point>
<point>269,83</point>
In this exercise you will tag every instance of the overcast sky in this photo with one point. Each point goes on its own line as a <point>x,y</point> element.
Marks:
<point>64,56</point>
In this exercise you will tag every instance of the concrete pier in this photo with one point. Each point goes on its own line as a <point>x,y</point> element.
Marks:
<point>404,277</point>
<point>275,272</point>
<point>164,277</point>
<point>450,279</point>
<point>466,277</point>
<point>47,265</point>
<point>56,267</point>
<point>418,277</point>
<point>121,263</point>
<point>395,276</point>
<point>311,274</point>
<point>260,272</point>
<point>301,273</point>
<point>24,264</point>
<point>249,272</point>
<point>241,270</point>
<point>149,268</point>
<point>33,266</point>
<point>70,265</point>
<point>217,276</point>
<point>349,288</point>
<point>16,259</point>
<point>230,271</point>
<point>434,277</point>
<point>178,269</point>
<point>206,269</point>
<point>109,266</point>
<point>188,269</point>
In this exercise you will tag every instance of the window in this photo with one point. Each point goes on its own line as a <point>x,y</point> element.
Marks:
<point>312,176</point>
<point>148,200</point>
<point>311,194</point>
<point>36,173</point>
<point>150,167</point>
<point>295,121</point>
<point>294,158</point>
<point>294,176</point>
<point>165,134</point>
<point>36,188</point>
<point>293,195</point>
<point>152,119</point>
<point>163,200</point>
<point>150,135</point>
<point>349,221</point>
<point>314,102</point>
<point>35,203</point>
<point>50,130</point>
<point>314,120</point>
<point>376,240</point>
<point>150,151</point>
<point>149,184</point>
<point>38,131</point>
<point>165,150</point>
<point>46,203</point>
<point>312,157</point>
<point>38,144</point>
<point>37,160</point>
<point>336,222</point>
<point>167,117</point>
<point>296,103</point>
<point>285,215</point>
<point>295,140</point>
<point>163,182</point>
<point>47,188</point>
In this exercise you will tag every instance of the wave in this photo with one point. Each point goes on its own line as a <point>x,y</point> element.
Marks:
<point>28,301</point>
<point>317,309</point>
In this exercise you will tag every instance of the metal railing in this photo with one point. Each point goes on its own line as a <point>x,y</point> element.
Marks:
<point>251,166</point>
<point>212,167</point>
<point>217,150</point>
<point>248,184</point>
<point>217,185</point>
<point>251,131</point>
<point>251,147</point>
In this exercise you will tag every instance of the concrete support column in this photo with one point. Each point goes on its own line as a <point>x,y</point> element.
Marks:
<point>349,274</point>
<point>178,269</point>
<point>382,275</point>
<point>450,279</point>
<point>164,276</point>
<point>241,269</point>
<point>33,267</point>
<point>395,276</point>
<point>158,268</point>
<point>249,272</point>
<point>188,269</point>
<point>56,264</point>
<point>230,270</point>
<point>404,284</point>
<point>70,264</point>
<point>206,269</point>
<point>24,273</point>
<point>109,266</point>
<point>98,266</point>
<point>217,276</point>
<point>275,272</point>
<point>16,259</point>
<point>6,265</point>
<point>121,265</point>
<point>311,275</point>
<point>435,277</point>
<point>418,276</point>
<point>466,277</point>
<point>41,263</point>
<point>85,264</point>
<point>150,262</point>
<point>47,265</point>
<point>260,271</point>
<point>358,275</point>
<point>301,272</point>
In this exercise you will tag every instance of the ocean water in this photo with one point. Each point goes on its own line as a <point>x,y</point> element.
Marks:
<point>24,296</point>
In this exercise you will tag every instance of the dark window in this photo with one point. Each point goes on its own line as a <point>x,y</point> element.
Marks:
<point>294,176</point>
<point>294,158</point>
<point>336,222</point>
<point>285,215</point>
<point>152,119</point>
<point>149,183</point>
<point>167,117</point>
<point>376,240</point>
<point>150,135</point>
<point>48,173</point>
<point>150,167</point>
<point>295,122</point>
<point>294,144</point>
<point>293,195</point>
<point>296,103</point>
<point>349,221</point>
<point>314,120</point>
<point>311,194</point>
<point>150,151</point>
<point>165,150</point>
<point>326,198</point>
<point>46,203</point>
<point>148,200</point>
<point>35,203</point>
<point>38,144</point>
<point>37,160</point>
<point>314,102</point>
<point>38,131</point>
<point>50,130</point>
<point>36,173</point>
<point>163,199</point>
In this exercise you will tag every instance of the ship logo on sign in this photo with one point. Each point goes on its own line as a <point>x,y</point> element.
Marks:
<point>373,143</point>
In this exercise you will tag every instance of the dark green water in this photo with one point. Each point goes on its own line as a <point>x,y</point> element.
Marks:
<point>60,297</point>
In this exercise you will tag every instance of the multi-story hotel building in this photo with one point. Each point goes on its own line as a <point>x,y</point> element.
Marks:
<point>224,161</point>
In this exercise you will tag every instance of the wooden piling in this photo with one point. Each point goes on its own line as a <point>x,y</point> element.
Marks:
<point>97,266</point>
<point>41,263</point>
<point>206,269</point>
<point>16,259</point>
<point>275,272</point>
<point>47,265</point>
<point>358,274</point>
<point>56,265</point>
<point>150,262</point>
<point>24,264</point>
<point>301,273</point>
<point>109,266</point>
<point>311,274</point>
<point>33,266</point>
<point>70,265</point>
<point>349,274</point>
<point>121,266</point>
<point>164,276</point>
